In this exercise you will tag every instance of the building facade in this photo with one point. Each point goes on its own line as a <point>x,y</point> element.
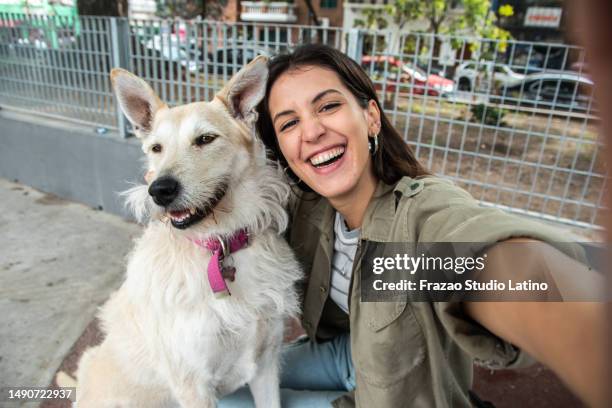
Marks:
<point>326,12</point>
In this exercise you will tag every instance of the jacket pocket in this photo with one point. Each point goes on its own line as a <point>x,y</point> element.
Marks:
<point>390,345</point>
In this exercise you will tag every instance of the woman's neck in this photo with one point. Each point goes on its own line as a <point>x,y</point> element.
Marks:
<point>354,204</point>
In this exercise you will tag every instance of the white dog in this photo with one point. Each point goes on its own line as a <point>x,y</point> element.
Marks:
<point>211,281</point>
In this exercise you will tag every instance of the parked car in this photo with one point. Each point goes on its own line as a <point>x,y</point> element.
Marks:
<point>552,90</point>
<point>467,75</point>
<point>404,76</point>
<point>432,67</point>
<point>534,59</point>
<point>230,60</point>
<point>170,49</point>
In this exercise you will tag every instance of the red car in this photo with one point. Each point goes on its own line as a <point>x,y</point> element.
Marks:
<point>412,78</point>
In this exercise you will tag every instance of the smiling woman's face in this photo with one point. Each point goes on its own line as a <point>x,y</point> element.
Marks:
<point>322,131</point>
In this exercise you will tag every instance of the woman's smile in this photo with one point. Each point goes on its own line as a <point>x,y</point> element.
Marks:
<point>328,160</point>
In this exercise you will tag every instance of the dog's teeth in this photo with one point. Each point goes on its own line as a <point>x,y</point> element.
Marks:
<point>192,211</point>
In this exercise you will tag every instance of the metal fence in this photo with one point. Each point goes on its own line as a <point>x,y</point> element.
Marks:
<point>513,122</point>
<point>57,66</point>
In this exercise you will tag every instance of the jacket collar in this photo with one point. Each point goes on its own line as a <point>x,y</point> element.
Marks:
<point>380,213</point>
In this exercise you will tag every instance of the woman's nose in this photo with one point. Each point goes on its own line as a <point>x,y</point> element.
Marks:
<point>312,129</point>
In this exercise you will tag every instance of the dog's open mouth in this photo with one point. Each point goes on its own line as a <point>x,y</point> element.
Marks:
<point>187,217</point>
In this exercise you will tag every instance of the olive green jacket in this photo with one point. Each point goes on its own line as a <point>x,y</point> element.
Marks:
<point>407,354</point>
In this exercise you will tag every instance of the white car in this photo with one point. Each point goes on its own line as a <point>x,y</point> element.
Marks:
<point>169,48</point>
<point>553,90</point>
<point>470,75</point>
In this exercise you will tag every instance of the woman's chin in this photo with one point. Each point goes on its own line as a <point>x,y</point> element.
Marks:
<point>332,190</point>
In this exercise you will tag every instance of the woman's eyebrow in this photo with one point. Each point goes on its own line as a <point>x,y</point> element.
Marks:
<point>314,100</point>
<point>283,113</point>
<point>323,93</point>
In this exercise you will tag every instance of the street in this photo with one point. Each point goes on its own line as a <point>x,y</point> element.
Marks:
<point>58,261</point>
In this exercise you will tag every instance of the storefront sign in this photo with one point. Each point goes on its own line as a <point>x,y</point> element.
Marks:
<point>543,17</point>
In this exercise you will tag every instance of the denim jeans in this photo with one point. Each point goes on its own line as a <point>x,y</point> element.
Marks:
<point>312,375</point>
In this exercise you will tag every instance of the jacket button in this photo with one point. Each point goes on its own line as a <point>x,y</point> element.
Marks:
<point>323,289</point>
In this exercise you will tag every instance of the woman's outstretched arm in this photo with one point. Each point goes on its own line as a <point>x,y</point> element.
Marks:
<point>568,337</point>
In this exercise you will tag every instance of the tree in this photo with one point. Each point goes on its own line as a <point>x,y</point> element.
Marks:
<point>436,12</point>
<point>477,15</point>
<point>374,19</point>
<point>477,18</point>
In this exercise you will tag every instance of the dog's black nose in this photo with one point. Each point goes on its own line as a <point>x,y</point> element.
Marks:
<point>164,190</point>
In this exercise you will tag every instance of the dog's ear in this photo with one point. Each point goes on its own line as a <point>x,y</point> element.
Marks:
<point>136,99</point>
<point>246,89</point>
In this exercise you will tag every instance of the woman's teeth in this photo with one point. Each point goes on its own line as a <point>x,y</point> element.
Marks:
<point>324,157</point>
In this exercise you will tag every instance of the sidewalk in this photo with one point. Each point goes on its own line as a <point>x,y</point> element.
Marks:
<point>58,262</point>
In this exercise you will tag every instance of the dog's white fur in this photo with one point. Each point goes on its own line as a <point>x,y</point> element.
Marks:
<point>169,341</point>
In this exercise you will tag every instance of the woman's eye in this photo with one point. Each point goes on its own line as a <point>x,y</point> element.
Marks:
<point>204,139</point>
<point>288,124</point>
<point>156,148</point>
<point>329,106</point>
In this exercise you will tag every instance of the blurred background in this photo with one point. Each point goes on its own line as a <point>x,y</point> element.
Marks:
<point>495,95</point>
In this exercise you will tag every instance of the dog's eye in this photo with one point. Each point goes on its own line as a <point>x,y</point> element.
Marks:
<point>204,139</point>
<point>156,148</point>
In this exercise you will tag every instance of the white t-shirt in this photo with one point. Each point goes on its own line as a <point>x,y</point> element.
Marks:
<point>345,246</point>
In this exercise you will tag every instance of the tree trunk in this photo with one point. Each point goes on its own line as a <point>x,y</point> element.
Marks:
<point>435,26</point>
<point>312,12</point>
<point>115,8</point>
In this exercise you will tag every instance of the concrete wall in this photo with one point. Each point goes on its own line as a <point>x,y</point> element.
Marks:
<point>71,161</point>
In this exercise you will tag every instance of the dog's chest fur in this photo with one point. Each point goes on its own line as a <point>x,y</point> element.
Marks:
<point>220,339</point>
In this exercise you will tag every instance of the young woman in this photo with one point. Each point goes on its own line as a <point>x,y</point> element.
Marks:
<point>359,181</point>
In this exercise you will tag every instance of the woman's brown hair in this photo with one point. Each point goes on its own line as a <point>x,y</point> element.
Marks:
<point>394,158</point>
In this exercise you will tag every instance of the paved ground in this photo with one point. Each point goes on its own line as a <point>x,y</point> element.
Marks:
<point>59,260</point>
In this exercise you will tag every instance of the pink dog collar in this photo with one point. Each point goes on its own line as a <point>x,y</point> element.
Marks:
<point>220,250</point>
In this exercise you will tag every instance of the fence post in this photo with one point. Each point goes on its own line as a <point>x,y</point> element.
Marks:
<point>120,57</point>
<point>354,46</point>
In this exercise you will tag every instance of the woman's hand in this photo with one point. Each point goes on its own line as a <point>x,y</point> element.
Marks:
<point>568,337</point>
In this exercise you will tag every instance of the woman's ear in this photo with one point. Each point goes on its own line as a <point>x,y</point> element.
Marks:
<point>373,113</point>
